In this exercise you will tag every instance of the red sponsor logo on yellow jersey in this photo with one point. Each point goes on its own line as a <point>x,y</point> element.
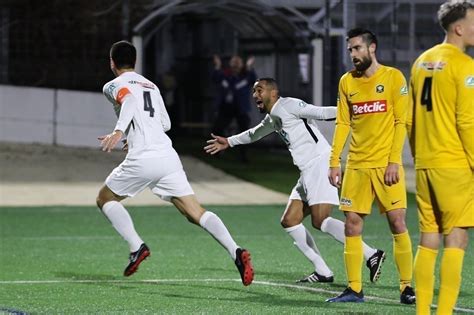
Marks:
<point>369,107</point>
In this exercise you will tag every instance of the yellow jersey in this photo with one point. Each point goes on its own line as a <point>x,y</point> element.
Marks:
<point>374,111</point>
<point>441,113</point>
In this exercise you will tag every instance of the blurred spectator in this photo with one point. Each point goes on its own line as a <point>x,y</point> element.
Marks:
<point>234,87</point>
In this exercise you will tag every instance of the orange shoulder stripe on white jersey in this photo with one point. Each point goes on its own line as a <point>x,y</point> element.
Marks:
<point>121,94</point>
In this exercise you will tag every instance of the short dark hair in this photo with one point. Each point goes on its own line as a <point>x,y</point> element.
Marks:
<point>452,11</point>
<point>269,81</point>
<point>366,35</point>
<point>124,54</point>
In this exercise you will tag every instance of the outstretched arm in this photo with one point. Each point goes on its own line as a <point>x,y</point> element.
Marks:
<point>318,112</point>
<point>216,144</point>
<point>304,110</point>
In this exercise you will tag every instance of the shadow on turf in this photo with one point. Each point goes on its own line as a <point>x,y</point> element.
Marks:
<point>255,297</point>
<point>293,277</point>
<point>270,276</point>
<point>245,296</point>
<point>274,275</point>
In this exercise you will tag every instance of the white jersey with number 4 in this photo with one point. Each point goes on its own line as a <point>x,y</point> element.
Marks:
<point>294,121</point>
<point>141,114</point>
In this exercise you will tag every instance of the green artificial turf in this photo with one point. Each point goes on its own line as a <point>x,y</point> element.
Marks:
<point>69,260</point>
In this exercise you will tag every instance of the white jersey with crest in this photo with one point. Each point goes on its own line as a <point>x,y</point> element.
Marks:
<point>294,121</point>
<point>142,115</point>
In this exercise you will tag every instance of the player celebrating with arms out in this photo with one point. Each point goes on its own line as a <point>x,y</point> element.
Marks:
<point>372,103</point>
<point>151,162</point>
<point>441,131</point>
<point>294,121</point>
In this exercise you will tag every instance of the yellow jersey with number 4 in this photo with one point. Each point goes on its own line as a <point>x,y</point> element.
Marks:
<point>374,111</point>
<point>441,113</point>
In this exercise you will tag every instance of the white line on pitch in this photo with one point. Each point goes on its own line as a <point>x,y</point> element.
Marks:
<point>107,237</point>
<point>274,284</point>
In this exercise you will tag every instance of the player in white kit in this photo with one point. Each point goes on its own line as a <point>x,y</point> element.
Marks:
<point>294,121</point>
<point>151,162</point>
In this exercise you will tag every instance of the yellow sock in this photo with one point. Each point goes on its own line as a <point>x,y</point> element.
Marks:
<point>403,255</point>
<point>424,268</point>
<point>353,257</point>
<point>450,279</point>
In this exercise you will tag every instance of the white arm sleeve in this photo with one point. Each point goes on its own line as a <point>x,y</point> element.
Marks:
<point>165,118</point>
<point>318,112</point>
<point>108,90</point>
<point>256,133</point>
<point>127,111</point>
<point>309,111</point>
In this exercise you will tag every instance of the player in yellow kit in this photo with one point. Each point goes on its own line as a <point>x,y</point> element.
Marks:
<point>441,131</point>
<point>372,104</point>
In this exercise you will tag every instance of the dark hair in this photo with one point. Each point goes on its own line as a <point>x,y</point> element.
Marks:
<point>270,82</point>
<point>366,35</point>
<point>452,11</point>
<point>123,54</point>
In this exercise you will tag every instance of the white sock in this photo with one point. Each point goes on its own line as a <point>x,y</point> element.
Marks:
<point>123,224</point>
<point>300,236</point>
<point>335,228</point>
<point>214,226</point>
<point>310,241</point>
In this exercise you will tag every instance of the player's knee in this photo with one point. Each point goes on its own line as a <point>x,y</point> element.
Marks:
<point>457,238</point>
<point>287,222</point>
<point>195,212</point>
<point>191,219</point>
<point>99,201</point>
<point>398,225</point>
<point>352,229</point>
<point>463,242</point>
<point>353,225</point>
<point>102,198</point>
<point>317,222</point>
<point>284,223</point>
<point>319,214</point>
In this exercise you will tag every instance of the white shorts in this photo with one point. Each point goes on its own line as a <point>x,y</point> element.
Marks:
<point>163,175</point>
<point>313,185</point>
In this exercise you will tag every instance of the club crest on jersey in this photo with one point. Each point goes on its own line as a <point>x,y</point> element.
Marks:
<point>404,90</point>
<point>111,88</point>
<point>379,88</point>
<point>470,81</point>
<point>370,107</point>
<point>302,104</point>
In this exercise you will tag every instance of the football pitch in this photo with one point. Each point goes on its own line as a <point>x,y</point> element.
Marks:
<point>69,260</point>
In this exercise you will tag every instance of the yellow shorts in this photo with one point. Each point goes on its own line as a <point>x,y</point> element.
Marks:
<point>360,186</point>
<point>445,199</point>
